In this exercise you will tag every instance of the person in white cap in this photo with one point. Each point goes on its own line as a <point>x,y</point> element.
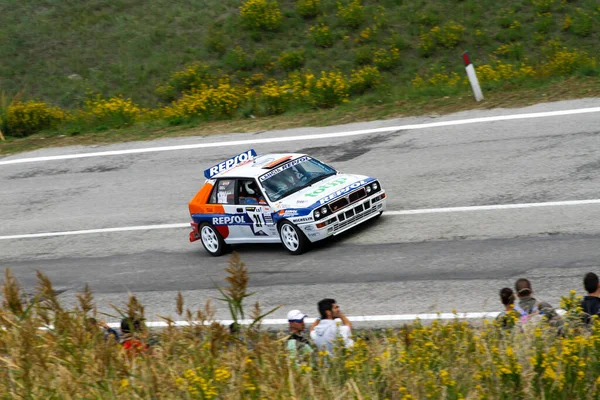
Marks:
<point>296,342</point>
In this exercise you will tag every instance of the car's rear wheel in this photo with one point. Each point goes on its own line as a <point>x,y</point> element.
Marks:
<point>292,238</point>
<point>212,240</point>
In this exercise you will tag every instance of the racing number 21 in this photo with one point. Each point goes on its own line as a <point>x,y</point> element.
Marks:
<point>258,220</point>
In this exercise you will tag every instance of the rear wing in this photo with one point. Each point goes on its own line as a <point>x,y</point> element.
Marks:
<point>228,164</point>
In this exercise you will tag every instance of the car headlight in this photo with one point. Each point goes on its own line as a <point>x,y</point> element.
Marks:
<point>323,210</point>
<point>375,186</point>
<point>317,214</point>
<point>368,189</point>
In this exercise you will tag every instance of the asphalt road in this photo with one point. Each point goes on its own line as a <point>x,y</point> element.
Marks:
<point>398,264</point>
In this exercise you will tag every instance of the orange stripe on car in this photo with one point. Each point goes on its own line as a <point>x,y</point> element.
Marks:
<point>274,163</point>
<point>198,205</point>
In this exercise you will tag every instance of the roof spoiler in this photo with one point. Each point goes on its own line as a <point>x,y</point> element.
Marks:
<point>228,164</point>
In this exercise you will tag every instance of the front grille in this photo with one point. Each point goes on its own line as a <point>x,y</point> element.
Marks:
<point>359,194</point>
<point>351,216</point>
<point>338,204</point>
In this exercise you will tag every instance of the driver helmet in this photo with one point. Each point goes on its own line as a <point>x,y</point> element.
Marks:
<point>250,187</point>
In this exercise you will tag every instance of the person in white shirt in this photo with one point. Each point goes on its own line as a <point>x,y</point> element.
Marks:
<point>332,324</point>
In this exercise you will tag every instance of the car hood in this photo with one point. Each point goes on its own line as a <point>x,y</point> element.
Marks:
<point>323,191</point>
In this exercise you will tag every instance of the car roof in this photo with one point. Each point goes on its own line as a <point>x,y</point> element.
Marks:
<point>258,166</point>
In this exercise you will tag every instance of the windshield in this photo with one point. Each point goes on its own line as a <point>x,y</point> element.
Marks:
<point>294,176</point>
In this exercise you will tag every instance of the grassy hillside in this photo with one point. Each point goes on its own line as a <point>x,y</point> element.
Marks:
<point>153,51</point>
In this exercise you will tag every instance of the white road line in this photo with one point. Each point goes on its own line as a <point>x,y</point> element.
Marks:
<point>104,230</point>
<point>390,213</point>
<point>306,137</point>
<point>494,207</point>
<point>362,318</point>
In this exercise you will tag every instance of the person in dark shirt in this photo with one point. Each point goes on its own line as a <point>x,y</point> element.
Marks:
<point>297,342</point>
<point>591,303</point>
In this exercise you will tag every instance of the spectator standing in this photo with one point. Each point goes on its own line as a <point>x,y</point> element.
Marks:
<point>325,331</point>
<point>511,313</point>
<point>131,329</point>
<point>297,343</point>
<point>530,305</point>
<point>591,303</point>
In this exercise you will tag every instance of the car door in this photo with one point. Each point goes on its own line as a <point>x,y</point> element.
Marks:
<point>253,203</point>
<point>230,222</point>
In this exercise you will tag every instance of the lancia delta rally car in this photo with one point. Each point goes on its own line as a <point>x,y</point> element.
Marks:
<point>292,199</point>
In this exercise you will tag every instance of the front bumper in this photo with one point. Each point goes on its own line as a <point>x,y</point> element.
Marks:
<point>345,219</point>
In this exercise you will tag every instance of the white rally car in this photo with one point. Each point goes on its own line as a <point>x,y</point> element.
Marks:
<point>292,199</point>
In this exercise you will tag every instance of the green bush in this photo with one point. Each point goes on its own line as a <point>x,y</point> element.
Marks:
<point>387,59</point>
<point>308,8</point>
<point>363,79</point>
<point>330,90</point>
<point>26,118</point>
<point>363,55</point>
<point>238,59</point>
<point>352,14</point>
<point>192,76</point>
<point>291,60</point>
<point>321,35</point>
<point>261,15</point>
<point>582,23</point>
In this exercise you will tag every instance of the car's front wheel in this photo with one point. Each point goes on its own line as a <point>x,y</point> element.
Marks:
<point>292,238</point>
<point>212,240</point>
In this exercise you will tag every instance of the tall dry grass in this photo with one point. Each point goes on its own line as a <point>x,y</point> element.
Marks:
<point>47,351</point>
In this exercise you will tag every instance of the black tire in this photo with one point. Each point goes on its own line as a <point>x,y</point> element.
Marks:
<point>214,245</point>
<point>292,238</point>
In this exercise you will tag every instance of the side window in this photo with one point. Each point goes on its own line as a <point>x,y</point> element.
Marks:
<point>249,192</point>
<point>224,192</point>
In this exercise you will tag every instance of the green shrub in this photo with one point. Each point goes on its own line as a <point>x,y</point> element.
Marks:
<point>363,79</point>
<point>261,15</point>
<point>308,8</point>
<point>207,103</point>
<point>542,6</point>
<point>238,59</point>
<point>215,41</point>
<point>582,23</point>
<point>352,14</point>
<point>262,58</point>
<point>543,23</point>
<point>387,59</point>
<point>321,35</point>
<point>291,60</point>
<point>113,112</point>
<point>363,55</point>
<point>192,76</point>
<point>330,90</point>
<point>275,97</point>
<point>26,118</point>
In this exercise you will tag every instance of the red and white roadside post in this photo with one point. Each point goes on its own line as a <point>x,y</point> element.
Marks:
<point>472,77</point>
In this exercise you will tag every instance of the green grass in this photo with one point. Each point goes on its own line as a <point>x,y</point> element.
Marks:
<point>372,106</point>
<point>58,51</point>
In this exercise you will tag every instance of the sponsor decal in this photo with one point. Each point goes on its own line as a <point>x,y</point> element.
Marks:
<point>228,164</point>
<point>281,168</point>
<point>341,191</point>
<point>322,188</point>
<point>250,208</point>
<point>288,213</point>
<point>308,228</point>
<point>314,234</point>
<point>303,219</point>
<point>229,220</point>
